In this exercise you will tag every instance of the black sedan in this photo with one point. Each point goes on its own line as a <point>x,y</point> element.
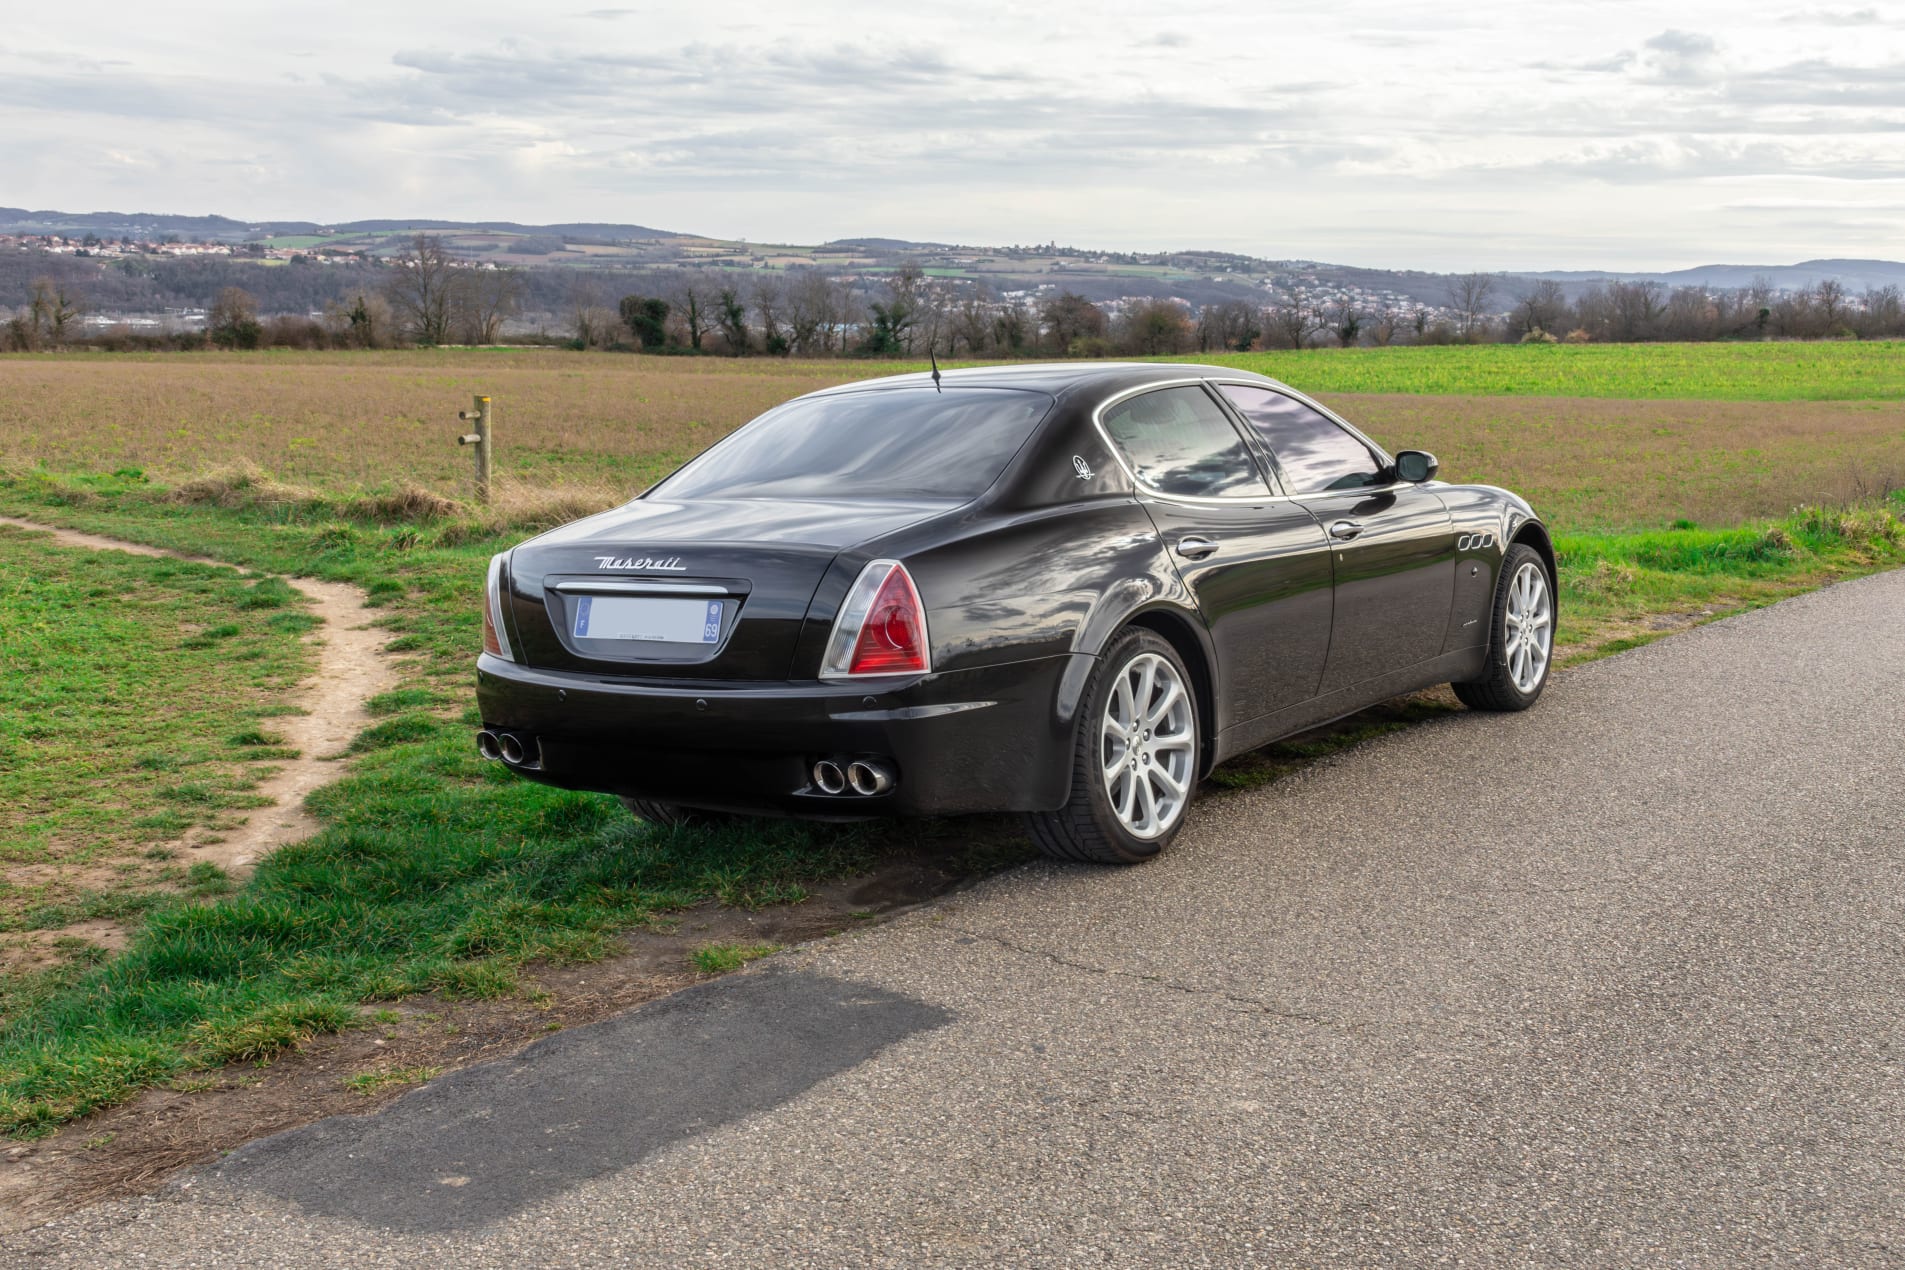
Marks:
<point>1065,590</point>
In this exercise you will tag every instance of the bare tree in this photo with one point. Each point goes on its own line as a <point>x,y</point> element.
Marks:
<point>232,321</point>
<point>1883,313</point>
<point>1469,294</point>
<point>1829,295</point>
<point>1383,325</point>
<point>483,299</point>
<point>1068,318</point>
<point>730,316</point>
<point>694,297</point>
<point>1690,314</point>
<point>1013,329</point>
<point>362,320</point>
<point>971,322</point>
<point>1542,307</point>
<point>1290,323</point>
<point>1346,322</point>
<point>809,312</point>
<point>1155,326</point>
<point>1637,309</point>
<point>421,288</point>
<point>52,308</point>
<point>767,305</point>
<point>1230,326</point>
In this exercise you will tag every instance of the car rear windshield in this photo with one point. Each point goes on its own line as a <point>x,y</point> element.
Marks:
<point>889,443</point>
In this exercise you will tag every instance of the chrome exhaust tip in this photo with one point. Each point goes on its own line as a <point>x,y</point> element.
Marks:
<point>828,778</point>
<point>486,745</point>
<point>511,746</point>
<point>869,778</point>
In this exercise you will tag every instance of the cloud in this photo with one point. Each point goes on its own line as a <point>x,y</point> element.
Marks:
<point>1833,17</point>
<point>1677,57</point>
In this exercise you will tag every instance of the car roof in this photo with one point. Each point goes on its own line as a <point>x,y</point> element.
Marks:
<point>1054,377</point>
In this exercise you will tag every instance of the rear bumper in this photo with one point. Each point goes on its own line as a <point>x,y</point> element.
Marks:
<point>986,740</point>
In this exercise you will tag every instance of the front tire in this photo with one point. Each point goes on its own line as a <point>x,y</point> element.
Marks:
<point>1521,636</point>
<point>1135,761</point>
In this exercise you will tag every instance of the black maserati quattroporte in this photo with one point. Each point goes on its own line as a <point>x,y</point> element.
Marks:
<point>1065,590</point>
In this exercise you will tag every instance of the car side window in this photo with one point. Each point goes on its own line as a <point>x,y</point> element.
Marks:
<point>1313,452</point>
<point>1179,441</point>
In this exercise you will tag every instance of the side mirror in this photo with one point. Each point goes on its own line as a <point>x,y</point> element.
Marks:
<point>1416,466</point>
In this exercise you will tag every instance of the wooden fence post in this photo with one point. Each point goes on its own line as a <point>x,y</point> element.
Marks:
<point>484,441</point>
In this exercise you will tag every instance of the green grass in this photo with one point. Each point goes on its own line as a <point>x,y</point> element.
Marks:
<point>1621,590</point>
<point>718,959</point>
<point>383,1078</point>
<point>120,678</point>
<point>1785,371</point>
<point>436,872</point>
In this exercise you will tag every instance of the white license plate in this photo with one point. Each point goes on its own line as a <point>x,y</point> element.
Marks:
<point>634,617</point>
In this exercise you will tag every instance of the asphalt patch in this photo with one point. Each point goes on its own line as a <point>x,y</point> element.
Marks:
<point>481,1144</point>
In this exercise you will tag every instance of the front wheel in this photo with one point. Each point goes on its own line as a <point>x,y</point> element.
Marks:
<point>1135,762</point>
<point>1521,637</point>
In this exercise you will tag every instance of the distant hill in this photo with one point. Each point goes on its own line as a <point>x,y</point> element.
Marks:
<point>1856,275</point>
<point>1198,275</point>
<point>19,220</point>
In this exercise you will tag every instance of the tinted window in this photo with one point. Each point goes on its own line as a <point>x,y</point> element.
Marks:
<point>902,443</point>
<point>1313,453</point>
<point>1179,442</point>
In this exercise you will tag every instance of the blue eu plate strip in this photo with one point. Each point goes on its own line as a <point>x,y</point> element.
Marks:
<point>582,618</point>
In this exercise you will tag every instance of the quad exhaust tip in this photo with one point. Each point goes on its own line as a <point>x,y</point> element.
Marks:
<point>863,776</point>
<point>509,748</point>
<point>868,778</point>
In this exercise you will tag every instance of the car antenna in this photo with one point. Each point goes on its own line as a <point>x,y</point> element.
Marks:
<point>935,359</point>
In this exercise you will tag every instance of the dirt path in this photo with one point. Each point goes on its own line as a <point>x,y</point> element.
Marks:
<point>351,669</point>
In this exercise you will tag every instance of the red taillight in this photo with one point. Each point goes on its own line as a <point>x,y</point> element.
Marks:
<point>891,641</point>
<point>881,629</point>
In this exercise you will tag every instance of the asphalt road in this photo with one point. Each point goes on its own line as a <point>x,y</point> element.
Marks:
<point>1617,981</point>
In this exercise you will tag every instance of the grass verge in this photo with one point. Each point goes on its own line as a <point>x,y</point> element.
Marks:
<point>136,696</point>
<point>435,872</point>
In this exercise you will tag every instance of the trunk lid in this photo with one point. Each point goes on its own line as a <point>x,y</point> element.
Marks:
<point>701,589</point>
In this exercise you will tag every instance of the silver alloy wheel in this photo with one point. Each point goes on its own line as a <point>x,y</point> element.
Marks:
<point>1528,627</point>
<point>1147,746</point>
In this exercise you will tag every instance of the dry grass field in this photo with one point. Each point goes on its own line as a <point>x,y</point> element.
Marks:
<point>613,424</point>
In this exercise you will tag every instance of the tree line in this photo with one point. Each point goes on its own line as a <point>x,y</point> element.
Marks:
<point>426,295</point>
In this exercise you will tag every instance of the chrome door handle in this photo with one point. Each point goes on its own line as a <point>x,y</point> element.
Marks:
<point>1195,548</point>
<point>1345,529</point>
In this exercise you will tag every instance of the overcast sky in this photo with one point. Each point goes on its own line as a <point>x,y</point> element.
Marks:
<point>1478,134</point>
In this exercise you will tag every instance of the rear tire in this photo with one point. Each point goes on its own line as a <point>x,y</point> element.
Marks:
<point>1520,636</point>
<point>670,815</point>
<point>1135,760</point>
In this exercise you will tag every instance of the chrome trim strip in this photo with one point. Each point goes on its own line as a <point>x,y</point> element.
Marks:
<point>608,585</point>
<point>1275,385</point>
<point>1117,454</point>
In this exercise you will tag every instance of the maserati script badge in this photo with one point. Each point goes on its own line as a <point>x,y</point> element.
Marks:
<point>671,564</point>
